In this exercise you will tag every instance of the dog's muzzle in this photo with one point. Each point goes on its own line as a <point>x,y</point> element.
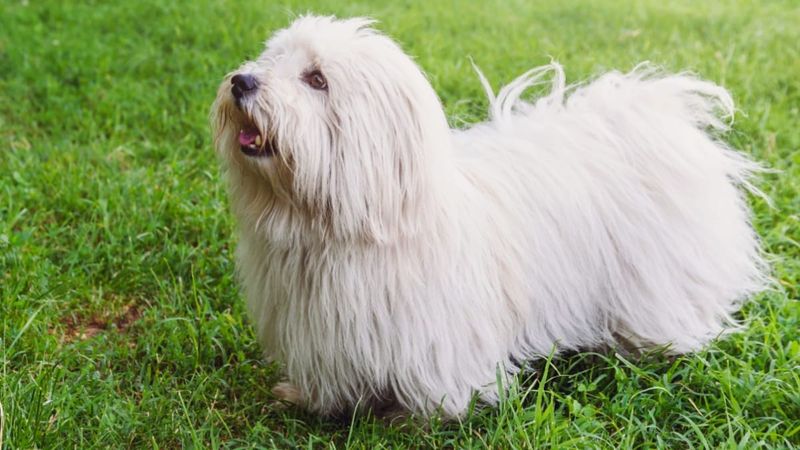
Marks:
<point>251,142</point>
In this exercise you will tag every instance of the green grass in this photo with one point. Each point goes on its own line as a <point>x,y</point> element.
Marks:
<point>122,325</point>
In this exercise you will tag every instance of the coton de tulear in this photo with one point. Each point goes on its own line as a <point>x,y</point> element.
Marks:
<point>387,259</point>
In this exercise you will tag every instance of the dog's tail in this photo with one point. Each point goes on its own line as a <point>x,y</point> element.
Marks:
<point>636,94</point>
<point>507,102</point>
<point>705,103</point>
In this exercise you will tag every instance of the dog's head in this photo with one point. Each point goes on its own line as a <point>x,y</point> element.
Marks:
<point>334,123</point>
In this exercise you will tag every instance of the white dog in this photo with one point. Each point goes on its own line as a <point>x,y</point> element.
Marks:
<point>388,258</point>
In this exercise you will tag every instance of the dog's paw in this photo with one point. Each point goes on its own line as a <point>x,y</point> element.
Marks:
<point>287,393</point>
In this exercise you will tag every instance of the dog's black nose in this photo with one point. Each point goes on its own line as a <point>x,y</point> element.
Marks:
<point>242,84</point>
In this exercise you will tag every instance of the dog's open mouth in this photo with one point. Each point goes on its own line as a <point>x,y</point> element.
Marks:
<point>254,145</point>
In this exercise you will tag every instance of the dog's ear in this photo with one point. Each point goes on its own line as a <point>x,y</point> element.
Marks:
<point>386,139</point>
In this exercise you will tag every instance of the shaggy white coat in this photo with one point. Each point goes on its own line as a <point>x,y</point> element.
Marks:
<point>385,256</point>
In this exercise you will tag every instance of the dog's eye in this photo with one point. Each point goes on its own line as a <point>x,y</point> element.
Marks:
<point>316,80</point>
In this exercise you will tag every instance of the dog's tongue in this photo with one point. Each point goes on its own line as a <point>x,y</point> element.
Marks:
<point>248,137</point>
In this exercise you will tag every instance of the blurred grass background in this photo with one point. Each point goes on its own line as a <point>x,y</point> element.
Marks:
<point>120,320</point>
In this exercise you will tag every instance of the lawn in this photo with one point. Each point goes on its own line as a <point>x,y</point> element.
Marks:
<point>121,323</point>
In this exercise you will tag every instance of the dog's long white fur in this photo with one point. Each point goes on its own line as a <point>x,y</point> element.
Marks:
<point>384,255</point>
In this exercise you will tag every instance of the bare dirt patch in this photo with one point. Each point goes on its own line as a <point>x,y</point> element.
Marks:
<point>79,328</point>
